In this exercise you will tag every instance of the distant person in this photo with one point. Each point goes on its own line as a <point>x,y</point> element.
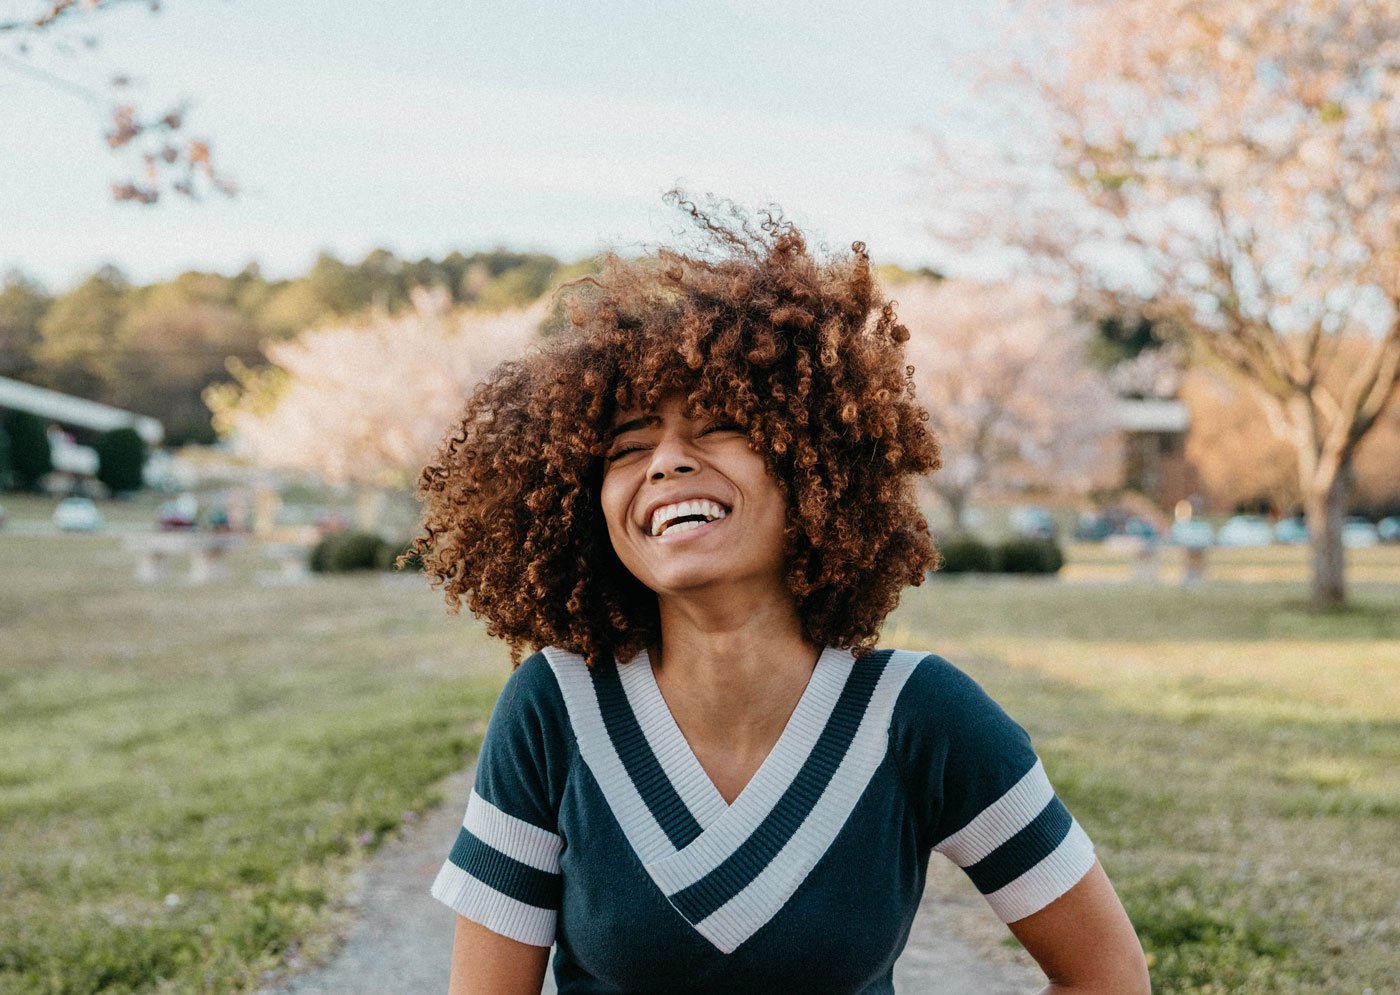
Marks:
<point>697,506</point>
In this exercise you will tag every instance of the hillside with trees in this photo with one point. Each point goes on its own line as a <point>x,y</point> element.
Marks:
<point>156,348</point>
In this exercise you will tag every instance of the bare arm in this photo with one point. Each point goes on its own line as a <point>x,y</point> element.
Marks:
<point>1085,943</point>
<point>487,963</point>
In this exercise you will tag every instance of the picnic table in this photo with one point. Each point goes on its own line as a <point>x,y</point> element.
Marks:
<point>156,552</point>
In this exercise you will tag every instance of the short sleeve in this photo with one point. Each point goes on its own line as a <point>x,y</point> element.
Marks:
<point>981,795</point>
<point>503,870</point>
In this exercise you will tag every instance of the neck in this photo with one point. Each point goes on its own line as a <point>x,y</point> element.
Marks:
<point>733,676</point>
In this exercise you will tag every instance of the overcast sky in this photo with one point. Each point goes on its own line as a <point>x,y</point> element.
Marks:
<point>425,126</point>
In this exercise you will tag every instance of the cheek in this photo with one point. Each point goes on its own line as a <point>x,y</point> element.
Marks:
<point>613,500</point>
<point>773,507</point>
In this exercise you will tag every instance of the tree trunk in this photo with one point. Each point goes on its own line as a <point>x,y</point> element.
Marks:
<point>957,508</point>
<point>369,507</point>
<point>1325,506</point>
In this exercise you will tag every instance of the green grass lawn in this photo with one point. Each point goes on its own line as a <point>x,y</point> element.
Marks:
<point>188,774</point>
<point>1234,755</point>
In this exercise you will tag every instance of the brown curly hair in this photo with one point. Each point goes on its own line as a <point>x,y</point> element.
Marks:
<point>802,353</point>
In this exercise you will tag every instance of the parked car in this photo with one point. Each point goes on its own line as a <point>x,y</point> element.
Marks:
<point>1091,527</point>
<point>1291,531</point>
<point>77,514</point>
<point>181,513</point>
<point>1387,528</point>
<point>1358,533</point>
<point>1139,528</point>
<point>218,518</point>
<point>1193,533</point>
<point>1033,522</point>
<point>1245,530</point>
<point>331,521</point>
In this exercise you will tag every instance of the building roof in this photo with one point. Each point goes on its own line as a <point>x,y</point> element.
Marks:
<point>76,411</point>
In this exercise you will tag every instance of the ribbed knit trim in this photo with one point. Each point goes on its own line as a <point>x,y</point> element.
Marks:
<point>1063,868</point>
<point>799,797</point>
<point>1023,851</point>
<point>645,835</point>
<point>737,823</point>
<point>672,751</point>
<point>768,892</point>
<point>795,837</point>
<point>514,837</point>
<point>498,913</point>
<point>639,762</point>
<point>1001,820</point>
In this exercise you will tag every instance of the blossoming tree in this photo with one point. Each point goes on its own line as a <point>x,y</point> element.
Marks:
<point>1237,163</point>
<point>367,405</point>
<point>1010,392</point>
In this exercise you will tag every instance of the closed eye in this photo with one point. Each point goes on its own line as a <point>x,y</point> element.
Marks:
<point>623,452</point>
<point>716,427</point>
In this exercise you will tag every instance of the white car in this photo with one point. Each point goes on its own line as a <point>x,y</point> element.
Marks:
<point>1193,533</point>
<point>1358,533</point>
<point>77,514</point>
<point>1246,530</point>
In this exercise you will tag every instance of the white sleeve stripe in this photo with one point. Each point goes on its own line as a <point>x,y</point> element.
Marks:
<point>1001,820</point>
<point>498,913</point>
<point>1063,868</point>
<point>529,844</point>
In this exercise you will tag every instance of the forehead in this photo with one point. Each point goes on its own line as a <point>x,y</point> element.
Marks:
<point>637,413</point>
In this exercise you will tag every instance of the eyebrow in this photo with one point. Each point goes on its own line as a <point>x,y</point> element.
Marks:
<point>633,425</point>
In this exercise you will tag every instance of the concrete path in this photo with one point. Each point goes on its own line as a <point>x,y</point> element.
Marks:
<point>401,940</point>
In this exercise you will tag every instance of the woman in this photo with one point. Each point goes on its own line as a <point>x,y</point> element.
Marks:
<point>697,504</point>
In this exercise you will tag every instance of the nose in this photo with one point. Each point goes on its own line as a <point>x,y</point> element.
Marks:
<point>672,456</point>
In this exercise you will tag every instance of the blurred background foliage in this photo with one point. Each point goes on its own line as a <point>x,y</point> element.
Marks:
<point>154,348</point>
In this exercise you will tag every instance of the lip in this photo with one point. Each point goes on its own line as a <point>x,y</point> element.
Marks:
<point>677,499</point>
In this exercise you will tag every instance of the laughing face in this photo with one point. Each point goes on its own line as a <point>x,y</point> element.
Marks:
<point>689,505</point>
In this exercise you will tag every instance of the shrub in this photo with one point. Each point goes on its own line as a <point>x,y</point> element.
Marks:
<point>1028,556</point>
<point>6,463</point>
<point>340,552</point>
<point>30,458</point>
<point>121,454</point>
<point>964,554</point>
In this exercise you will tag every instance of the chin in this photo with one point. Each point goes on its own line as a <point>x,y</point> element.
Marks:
<point>681,581</point>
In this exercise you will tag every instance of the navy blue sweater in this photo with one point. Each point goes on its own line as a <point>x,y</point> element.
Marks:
<point>593,826</point>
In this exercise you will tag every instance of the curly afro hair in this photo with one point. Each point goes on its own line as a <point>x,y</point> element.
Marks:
<point>801,352</point>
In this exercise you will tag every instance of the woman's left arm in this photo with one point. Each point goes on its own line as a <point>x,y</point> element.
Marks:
<point>1084,942</point>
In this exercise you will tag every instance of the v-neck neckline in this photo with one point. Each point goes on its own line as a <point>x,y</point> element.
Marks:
<point>788,751</point>
<point>728,869</point>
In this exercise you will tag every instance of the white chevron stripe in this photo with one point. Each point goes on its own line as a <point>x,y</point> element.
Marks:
<point>751,908</point>
<point>643,832</point>
<point>529,844</point>
<point>664,737</point>
<point>1048,880</point>
<point>769,782</point>
<point>1001,820</point>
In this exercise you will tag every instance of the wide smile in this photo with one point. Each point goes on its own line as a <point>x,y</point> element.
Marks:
<point>685,518</point>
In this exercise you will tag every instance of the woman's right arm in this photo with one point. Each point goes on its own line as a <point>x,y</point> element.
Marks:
<point>487,963</point>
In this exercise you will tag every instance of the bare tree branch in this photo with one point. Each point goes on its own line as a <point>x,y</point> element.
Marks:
<point>163,160</point>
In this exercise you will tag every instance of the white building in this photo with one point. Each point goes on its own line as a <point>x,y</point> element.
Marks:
<point>73,462</point>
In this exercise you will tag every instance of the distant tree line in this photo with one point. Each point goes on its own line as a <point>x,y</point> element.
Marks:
<point>155,348</point>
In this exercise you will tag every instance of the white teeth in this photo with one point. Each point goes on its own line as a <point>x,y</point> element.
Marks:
<point>684,527</point>
<point>700,506</point>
